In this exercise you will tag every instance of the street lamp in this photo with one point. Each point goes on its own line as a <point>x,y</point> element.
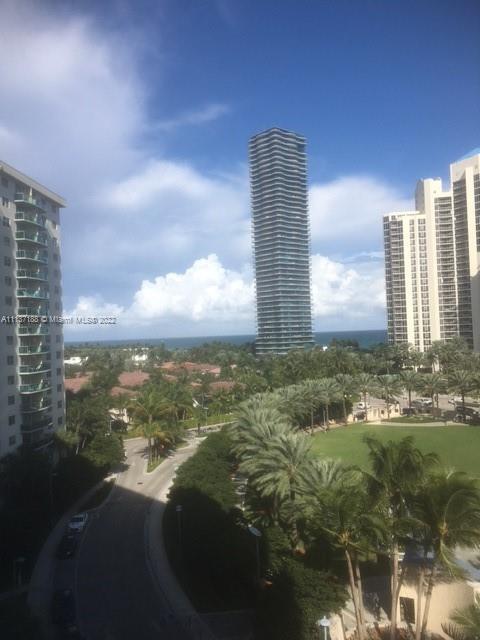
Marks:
<point>179,510</point>
<point>325,623</point>
<point>257,534</point>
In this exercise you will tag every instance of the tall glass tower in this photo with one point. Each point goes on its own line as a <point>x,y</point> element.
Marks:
<point>281,241</point>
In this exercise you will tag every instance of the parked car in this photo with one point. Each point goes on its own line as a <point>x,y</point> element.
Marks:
<point>78,523</point>
<point>67,546</point>
<point>406,411</point>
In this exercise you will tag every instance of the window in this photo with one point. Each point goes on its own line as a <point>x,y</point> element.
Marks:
<point>8,281</point>
<point>12,440</point>
<point>10,379</point>
<point>4,182</point>
<point>58,338</point>
<point>5,202</point>
<point>6,241</point>
<point>59,355</point>
<point>9,339</point>
<point>59,387</point>
<point>9,359</point>
<point>8,300</point>
<point>407,610</point>
<point>59,372</point>
<point>57,290</point>
<point>11,400</point>
<point>59,404</point>
<point>11,420</point>
<point>5,221</point>
<point>55,257</point>
<point>60,420</point>
<point>7,261</point>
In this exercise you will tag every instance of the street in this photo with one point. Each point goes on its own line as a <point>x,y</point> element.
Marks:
<point>117,597</point>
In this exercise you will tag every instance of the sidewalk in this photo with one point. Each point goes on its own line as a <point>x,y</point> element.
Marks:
<point>162,573</point>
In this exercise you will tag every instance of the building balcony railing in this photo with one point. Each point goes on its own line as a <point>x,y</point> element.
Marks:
<point>33,293</point>
<point>32,311</point>
<point>37,407</point>
<point>43,367</point>
<point>28,236</point>
<point>31,218</point>
<point>23,198</point>
<point>24,274</point>
<point>36,330</point>
<point>44,385</point>
<point>35,425</point>
<point>30,351</point>
<point>36,256</point>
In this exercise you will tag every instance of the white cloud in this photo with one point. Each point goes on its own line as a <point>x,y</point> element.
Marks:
<point>93,307</point>
<point>200,116</point>
<point>209,292</point>
<point>206,290</point>
<point>346,289</point>
<point>347,213</point>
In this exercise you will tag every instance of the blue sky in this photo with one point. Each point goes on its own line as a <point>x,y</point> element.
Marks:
<point>139,113</point>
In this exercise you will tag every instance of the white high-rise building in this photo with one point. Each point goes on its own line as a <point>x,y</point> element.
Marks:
<point>465,177</point>
<point>432,261</point>
<point>32,396</point>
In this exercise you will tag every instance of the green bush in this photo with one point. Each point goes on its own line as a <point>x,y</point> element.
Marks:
<point>215,559</point>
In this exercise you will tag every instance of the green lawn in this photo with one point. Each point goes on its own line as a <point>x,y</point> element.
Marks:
<point>457,446</point>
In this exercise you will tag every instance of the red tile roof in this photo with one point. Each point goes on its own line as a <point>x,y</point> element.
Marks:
<point>132,378</point>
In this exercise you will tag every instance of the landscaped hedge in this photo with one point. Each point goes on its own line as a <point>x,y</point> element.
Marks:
<point>215,559</point>
<point>214,554</point>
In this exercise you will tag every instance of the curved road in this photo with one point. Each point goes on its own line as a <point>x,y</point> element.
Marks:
<point>119,595</point>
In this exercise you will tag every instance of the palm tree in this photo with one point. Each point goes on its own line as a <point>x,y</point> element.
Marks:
<point>366,383</point>
<point>467,622</point>
<point>280,471</point>
<point>398,469</point>
<point>328,391</point>
<point>462,382</point>
<point>345,514</point>
<point>448,512</point>
<point>147,410</point>
<point>410,381</point>
<point>390,387</point>
<point>432,384</point>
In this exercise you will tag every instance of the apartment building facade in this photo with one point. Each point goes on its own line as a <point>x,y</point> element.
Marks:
<point>32,396</point>
<point>432,264</point>
<point>281,241</point>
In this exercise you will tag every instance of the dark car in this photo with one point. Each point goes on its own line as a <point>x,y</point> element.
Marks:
<point>67,546</point>
<point>63,610</point>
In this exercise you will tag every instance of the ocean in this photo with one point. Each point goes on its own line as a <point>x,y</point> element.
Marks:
<point>365,339</point>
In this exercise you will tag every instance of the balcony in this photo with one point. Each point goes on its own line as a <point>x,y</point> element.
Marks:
<point>35,425</point>
<point>36,256</point>
<point>38,274</point>
<point>28,236</point>
<point>33,293</point>
<point>35,388</point>
<point>36,330</point>
<point>32,311</point>
<point>37,407</point>
<point>43,367</point>
<point>23,198</point>
<point>33,351</point>
<point>31,218</point>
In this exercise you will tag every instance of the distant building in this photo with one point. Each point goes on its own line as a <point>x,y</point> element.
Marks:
<point>32,395</point>
<point>431,264</point>
<point>75,361</point>
<point>281,241</point>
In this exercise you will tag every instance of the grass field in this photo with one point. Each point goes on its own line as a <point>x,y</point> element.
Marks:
<point>457,446</point>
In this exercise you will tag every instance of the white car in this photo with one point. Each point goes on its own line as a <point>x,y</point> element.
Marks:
<point>78,523</point>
